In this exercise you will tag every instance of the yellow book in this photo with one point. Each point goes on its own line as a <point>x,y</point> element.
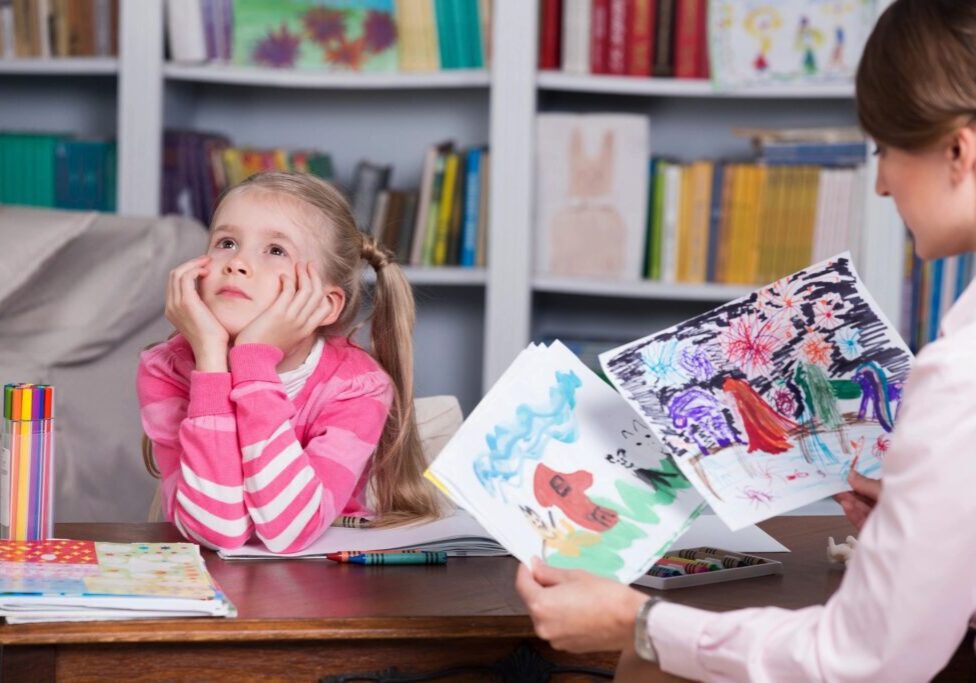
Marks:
<point>756,188</point>
<point>431,60</point>
<point>233,165</point>
<point>723,254</point>
<point>702,172</point>
<point>808,215</point>
<point>733,272</point>
<point>281,162</point>
<point>445,209</point>
<point>685,210</point>
<point>410,35</point>
<point>769,226</point>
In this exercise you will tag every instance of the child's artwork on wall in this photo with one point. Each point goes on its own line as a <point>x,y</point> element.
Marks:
<point>591,210</point>
<point>761,41</point>
<point>340,35</point>
<point>556,465</point>
<point>767,402</point>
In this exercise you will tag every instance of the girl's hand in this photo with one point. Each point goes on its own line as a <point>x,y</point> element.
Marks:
<point>300,308</point>
<point>578,611</point>
<point>857,504</point>
<point>193,318</point>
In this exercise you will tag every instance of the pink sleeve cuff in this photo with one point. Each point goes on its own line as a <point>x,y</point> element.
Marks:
<point>255,362</point>
<point>209,394</point>
<point>676,631</point>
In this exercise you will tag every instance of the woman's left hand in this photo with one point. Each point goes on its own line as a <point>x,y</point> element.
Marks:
<point>296,313</point>
<point>577,611</point>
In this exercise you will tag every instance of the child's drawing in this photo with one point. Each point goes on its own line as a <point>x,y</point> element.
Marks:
<point>754,42</point>
<point>800,376</point>
<point>554,464</point>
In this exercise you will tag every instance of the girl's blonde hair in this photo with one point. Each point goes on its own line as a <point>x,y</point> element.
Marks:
<point>916,81</point>
<point>400,492</point>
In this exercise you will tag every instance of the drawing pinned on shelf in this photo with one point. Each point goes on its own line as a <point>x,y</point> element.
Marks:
<point>753,42</point>
<point>766,403</point>
<point>554,464</point>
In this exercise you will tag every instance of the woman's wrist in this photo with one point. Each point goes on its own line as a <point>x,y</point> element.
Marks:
<point>627,615</point>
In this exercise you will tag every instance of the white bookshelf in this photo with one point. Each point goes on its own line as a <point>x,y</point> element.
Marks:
<point>68,66</point>
<point>471,322</point>
<point>294,78</point>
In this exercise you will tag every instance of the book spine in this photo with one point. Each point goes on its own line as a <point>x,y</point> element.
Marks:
<point>617,38</point>
<point>599,36</point>
<point>686,38</point>
<point>549,43</point>
<point>663,47</point>
<point>472,203</point>
<point>640,27</point>
<point>445,209</point>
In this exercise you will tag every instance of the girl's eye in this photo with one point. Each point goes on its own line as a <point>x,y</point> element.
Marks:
<point>275,250</point>
<point>225,243</point>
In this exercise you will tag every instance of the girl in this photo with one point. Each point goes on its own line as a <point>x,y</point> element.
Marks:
<point>904,604</point>
<point>265,418</point>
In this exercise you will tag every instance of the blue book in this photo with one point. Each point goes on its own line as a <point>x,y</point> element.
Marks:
<point>472,200</point>
<point>935,296</point>
<point>714,221</point>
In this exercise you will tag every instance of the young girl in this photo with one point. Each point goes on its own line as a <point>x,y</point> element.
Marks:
<point>265,419</point>
<point>909,592</point>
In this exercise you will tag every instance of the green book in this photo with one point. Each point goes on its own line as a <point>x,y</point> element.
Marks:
<point>434,211</point>
<point>656,220</point>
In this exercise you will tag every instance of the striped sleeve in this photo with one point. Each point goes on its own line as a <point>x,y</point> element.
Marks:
<point>294,492</point>
<point>195,445</point>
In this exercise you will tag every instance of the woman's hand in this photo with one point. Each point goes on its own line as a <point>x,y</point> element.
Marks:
<point>193,318</point>
<point>577,611</point>
<point>857,504</point>
<point>299,309</point>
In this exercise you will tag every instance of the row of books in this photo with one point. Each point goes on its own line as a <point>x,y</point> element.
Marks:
<point>198,166</point>
<point>57,171</point>
<point>352,35</point>
<point>58,28</point>
<point>931,287</point>
<point>625,37</point>
<point>748,223</point>
<point>442,223</point>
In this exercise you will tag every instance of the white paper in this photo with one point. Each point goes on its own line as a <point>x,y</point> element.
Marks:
<point>710,531</point>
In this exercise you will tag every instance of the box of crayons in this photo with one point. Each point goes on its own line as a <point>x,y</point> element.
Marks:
<point>699,566</point>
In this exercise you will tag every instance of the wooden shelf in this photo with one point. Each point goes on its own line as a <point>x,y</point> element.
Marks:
<point>70,66</point>
<point>306,78</point>
<point>675,87</point>
<point>643,289</point>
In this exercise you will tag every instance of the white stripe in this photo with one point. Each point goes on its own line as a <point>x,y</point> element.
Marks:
<point>259,480</point>
<point>232,528</point>
<point>256,449</point>
<point>189,533</point>
<point>267,512</point>
<point>218,492</point>
<point>288,536</point>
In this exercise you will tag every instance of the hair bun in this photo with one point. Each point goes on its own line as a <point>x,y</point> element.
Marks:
<point>374,254</point>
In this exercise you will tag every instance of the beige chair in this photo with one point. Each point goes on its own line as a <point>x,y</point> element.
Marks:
<point>438,417</point>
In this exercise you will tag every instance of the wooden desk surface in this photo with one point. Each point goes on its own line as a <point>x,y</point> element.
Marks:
<point>468,597</point>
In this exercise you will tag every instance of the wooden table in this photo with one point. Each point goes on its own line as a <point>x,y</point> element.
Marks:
<point>306,619</point>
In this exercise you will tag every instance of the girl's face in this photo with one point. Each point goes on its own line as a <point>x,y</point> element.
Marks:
<point>256,238</point>
<point>935,193</point>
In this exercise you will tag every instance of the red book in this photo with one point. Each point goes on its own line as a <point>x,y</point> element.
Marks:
<point>617,38</point>
<point>687,40</point>
<point>599,36</point>
<point>640,37</point>
<point>550,28</point>
<point>704,69</point>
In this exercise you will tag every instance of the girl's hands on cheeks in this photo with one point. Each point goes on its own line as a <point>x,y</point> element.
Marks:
<point>578,611</point>
<point>300,308</point>
<point>193,318</point>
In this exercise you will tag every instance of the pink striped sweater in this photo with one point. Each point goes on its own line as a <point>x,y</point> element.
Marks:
<point>239,458</point>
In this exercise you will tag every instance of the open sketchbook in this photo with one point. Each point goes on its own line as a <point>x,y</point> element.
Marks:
<point>67,580</point>
<point>767,402</point>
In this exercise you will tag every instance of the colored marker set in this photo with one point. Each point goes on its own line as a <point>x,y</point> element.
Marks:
<point>698,566</point>
<point>27,463</point>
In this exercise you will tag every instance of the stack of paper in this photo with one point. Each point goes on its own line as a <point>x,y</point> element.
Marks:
<point>65,580</point>
<point>459,535</point>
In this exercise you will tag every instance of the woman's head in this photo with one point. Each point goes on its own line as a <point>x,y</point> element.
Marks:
<point>261,228</point>
<point>916,96</point>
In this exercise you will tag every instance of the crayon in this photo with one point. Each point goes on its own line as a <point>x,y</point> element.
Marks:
<point>344,555</point>
<point>714,564</point>
<point>687,567</point>
<point>726,558</point>
<point>399,558</point>
<point>665,572</point>
<point>352,522</point>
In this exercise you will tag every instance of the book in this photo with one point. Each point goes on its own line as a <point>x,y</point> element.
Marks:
<point>592,194</point>
<point>765,403</point>
<point>554,464</point>
<point>368,181</point>
<point>754,42</point>
<point>68,580</point>
<point>343,35</point>
<point>458,534</point>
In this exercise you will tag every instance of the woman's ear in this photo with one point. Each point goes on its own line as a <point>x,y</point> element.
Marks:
<point>337,302</point>
<point>962,153</point>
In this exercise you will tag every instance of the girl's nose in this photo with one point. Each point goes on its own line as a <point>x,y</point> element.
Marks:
<point>236,265</point>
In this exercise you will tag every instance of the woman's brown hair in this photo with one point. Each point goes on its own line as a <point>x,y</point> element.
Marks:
<point>916,81</point>
<point>400,492</point>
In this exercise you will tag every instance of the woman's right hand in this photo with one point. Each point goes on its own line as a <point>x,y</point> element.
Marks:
<point>857,504</point>
<point>193,318</point>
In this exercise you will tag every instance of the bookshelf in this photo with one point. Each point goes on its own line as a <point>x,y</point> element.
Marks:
<point>471,322</point>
